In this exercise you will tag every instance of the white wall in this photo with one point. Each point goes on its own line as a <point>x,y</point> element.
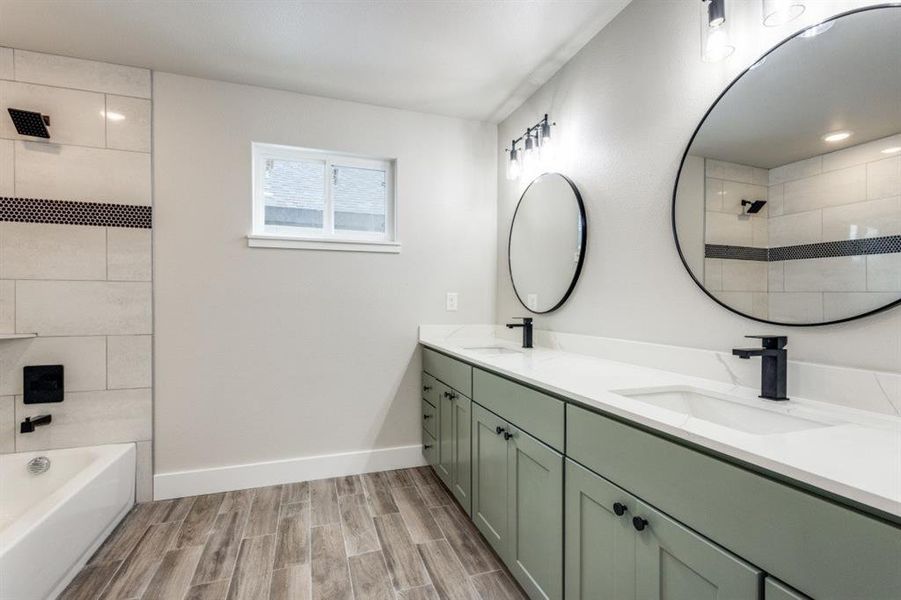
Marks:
<point>626,106</point>
<point>265,354</point>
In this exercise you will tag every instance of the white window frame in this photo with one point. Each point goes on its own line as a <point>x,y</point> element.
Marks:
<point>326,238</point>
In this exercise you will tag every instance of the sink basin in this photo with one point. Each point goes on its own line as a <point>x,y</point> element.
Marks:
<point>723,410</point>
<point>492,350</point>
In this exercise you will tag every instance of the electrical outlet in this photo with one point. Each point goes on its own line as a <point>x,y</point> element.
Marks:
<point>451,302</point>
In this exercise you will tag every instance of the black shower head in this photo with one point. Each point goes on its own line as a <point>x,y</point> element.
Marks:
<point>753,207</point>
<point>30,123</point>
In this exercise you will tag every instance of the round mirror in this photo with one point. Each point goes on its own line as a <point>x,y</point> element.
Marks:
<point>547,243</point>
<point>787,207</point>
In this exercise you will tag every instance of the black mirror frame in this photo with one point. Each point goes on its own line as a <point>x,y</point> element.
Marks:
<point>685,155</point>
<point>583,242</point>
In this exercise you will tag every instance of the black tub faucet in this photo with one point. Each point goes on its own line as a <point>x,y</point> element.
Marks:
<point>29,423</point>
<point>774,365</point>
<point>526,330</point>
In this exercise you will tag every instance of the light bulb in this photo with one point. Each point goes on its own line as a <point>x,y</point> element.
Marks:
<point>717,46</point>
<point>546,144</point>
<point>780,12</point>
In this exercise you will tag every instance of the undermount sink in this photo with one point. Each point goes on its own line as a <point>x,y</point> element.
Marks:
<point>492,350</point>
<point>723,410</point>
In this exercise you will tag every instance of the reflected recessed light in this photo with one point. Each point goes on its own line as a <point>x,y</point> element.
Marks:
<point>836,136</point>
<point>112,116</point>
<point>892,150</point>
<point>817,29</point>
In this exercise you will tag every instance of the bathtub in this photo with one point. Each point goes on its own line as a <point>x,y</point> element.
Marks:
<point>50,524</point>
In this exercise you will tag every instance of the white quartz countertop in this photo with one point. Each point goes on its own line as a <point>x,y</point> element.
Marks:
<point>858,457</point>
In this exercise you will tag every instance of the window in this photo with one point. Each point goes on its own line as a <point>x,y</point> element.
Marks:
<point>319,200</point>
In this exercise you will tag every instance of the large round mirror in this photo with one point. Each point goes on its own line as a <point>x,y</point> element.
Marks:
<point>787,207</point>
<point>547,243</point>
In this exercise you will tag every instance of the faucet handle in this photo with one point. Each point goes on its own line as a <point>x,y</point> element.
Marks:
<point>771,342</point>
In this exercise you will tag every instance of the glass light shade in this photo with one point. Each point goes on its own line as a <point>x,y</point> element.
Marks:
<point>513,166</point>
<point>780,12</point>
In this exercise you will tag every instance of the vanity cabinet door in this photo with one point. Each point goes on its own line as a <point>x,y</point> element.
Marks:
<point>600,545</point>
<point>674,563</point>
<point>535,515</point>
<point>776,590</point>
<point>445,464</point>
<point>489,478</point>
<point>462,459</point>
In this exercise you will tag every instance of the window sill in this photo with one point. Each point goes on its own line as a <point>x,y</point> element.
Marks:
<point>298,243</point>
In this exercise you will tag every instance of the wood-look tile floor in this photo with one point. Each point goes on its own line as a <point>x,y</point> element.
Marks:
<point>391,535</point>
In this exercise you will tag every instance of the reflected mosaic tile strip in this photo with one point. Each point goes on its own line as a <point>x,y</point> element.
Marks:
<point>62,212</point>
<point>889,244</point>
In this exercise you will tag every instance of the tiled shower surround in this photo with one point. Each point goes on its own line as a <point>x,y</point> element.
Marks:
<point>75,252</point>
<point>851,194</point>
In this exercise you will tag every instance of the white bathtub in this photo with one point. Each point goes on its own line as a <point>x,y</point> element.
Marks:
<point>50,524</point>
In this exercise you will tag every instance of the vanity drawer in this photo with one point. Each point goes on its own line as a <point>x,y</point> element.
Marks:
<point>538,414</point>
<point>454,373</point>
<point>429,389</point>
<point>429,448</point>
<point>822,549</point>
<point>430,418</point>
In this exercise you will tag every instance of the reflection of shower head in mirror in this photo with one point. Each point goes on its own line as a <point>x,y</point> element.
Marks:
<point>753,207</point>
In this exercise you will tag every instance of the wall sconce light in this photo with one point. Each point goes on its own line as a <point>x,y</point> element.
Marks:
<point>537,147</point>
<point>715,42</point>
<point>780,12</point>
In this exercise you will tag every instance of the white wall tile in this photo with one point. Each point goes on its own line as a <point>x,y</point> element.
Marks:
<point>83,307</point>
<point>79,173</point>
<point>76,117</point>
<point>884,272</point>
<point>775,200</point>
<point>129,360</point>
<point>713,194</point>
<point>760,231</point>
<point>760,305</point>
<point>796,170</point>
<point>844,186</point>
<point>833,274</point>
<point>841,305</point>
<point>144,472</point>
<point>800,228</point>
<point>129,254</point>
<point>873,218</point>
<point>83,360</point>
<point>741,301</point>
<point>744,276</point>
<point>760,176</point>
<point>734,193</point>
<point>796,307</point>
<point>62,71</point>
<point>128,123</point>
<point>8,306</point>
<point>776,276</point>
<point>859,154</point>
<point>723,228</point>
<point>6,63</point>
<point>713,274</point>
<point>48,251</point>
<point>731,171</point>
<point>88,418</point>
<point>884,178</point>
<point>7,424</point>
<point>7,166</point>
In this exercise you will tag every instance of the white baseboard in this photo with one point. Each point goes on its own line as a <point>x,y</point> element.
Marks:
<point>238,477</point>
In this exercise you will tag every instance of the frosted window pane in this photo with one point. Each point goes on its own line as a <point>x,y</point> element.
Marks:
<point>360,196</point>
<point>294,192</point>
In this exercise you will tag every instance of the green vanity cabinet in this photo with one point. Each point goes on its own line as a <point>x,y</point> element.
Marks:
<point>608,556</point>
<point>776,590</point>
<point>517,502</point>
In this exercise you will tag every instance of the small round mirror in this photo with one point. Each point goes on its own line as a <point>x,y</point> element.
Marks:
<point>547,243</point>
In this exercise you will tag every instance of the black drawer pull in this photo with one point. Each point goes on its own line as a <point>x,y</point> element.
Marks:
<point>639,523</point>
<point>426,388</point>
<point>427,446</point>
<point>619,508</point>
<point>499,430</point>
<point>426,417</point>
<point>507,435</point>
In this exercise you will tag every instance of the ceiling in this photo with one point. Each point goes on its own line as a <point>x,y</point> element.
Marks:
<point>471,59</point>
<point>847,78</point>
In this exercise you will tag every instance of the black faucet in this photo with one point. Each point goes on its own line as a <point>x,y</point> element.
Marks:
<point>526,330</point>
<point>774,365</point>
<point>29,424</point>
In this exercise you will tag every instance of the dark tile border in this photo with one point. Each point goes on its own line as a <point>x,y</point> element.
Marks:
<point>889,244</point>
<point>63,212</point>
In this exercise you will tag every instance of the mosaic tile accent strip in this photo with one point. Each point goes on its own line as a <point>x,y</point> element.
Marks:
<point>62,212</point>
<point>889,244</point>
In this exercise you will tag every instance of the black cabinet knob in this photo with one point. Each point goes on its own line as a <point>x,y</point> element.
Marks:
<point>427,446</point>
<point>619,508</point>
<point>426,388</point>
<point>639,523</point>
<point>507,435</point>
<point>499,430</point>
<point>426,417</point>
